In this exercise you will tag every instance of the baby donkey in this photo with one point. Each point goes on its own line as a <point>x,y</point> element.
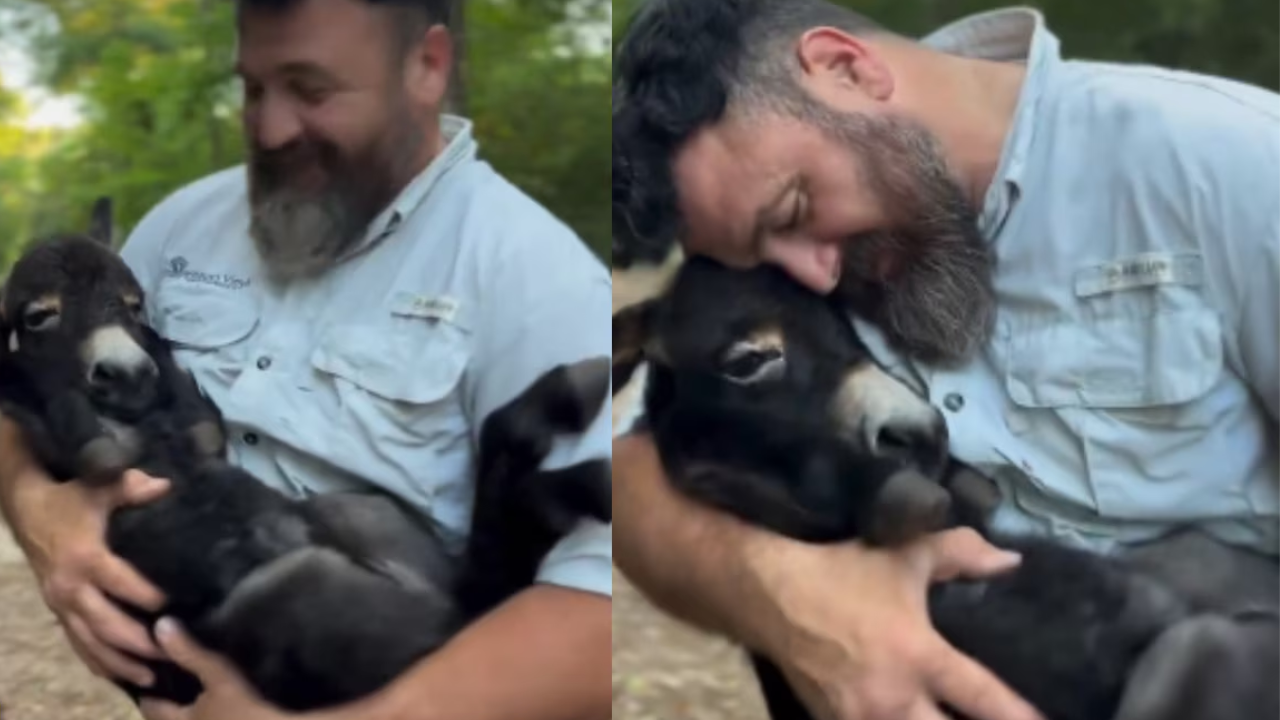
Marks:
<point>317,602</point>
<point>763,403</point>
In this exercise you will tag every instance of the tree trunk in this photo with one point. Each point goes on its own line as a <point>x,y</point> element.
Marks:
<point>457,102</point>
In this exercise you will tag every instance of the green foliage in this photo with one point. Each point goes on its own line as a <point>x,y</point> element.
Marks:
<point>1234,38</point>
<point>161,106</point>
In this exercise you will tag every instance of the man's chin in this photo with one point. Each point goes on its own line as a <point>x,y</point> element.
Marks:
<point>301,239</point>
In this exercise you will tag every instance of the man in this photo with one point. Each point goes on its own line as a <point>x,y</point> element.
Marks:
<point>357,301</point>
<point>1078,261</point>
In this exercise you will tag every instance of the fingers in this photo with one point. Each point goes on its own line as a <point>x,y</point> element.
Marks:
<point>83,653</point>
<point>961,553</point>
<point>182,649</point>
<point>971,689</point>
<point>153,709</point>
<point>118,579</point>
<point>113,627</point>
<point>137,488</point>
<point>926,710</point>
<point>108,661</point>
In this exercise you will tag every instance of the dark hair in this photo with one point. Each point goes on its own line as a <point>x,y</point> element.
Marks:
<point>411,18</point>
<point>680,66</point>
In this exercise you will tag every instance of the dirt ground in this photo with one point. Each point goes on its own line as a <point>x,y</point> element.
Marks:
<point>40,677</point>
<point>664,670</point>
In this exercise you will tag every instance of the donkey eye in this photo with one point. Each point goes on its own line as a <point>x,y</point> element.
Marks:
<point>752,364</point>
<point>40,319</point>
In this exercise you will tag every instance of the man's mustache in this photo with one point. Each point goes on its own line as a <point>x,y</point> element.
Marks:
<point>276,165</point>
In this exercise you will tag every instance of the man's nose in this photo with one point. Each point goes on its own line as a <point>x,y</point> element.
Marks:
<point>812,263</point>
<point>274,124</point>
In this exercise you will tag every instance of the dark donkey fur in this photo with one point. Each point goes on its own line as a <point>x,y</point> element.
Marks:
<point>318,602</point>
<point>763,402</point>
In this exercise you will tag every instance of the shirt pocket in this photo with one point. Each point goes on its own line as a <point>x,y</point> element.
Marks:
<point>398,384</point>
<point>208,327</point>
<point>1135,397</point>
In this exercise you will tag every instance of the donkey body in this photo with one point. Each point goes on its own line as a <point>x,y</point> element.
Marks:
<point>320,601</point>
<point>763,402</point>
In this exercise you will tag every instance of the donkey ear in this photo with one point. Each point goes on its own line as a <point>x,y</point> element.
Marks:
<point>632,326</point>
<point>6,338</point>
<point>102,221</point>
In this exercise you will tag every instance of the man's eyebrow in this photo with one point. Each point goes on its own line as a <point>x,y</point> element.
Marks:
<point>764,214</point>
<point>297,67</point>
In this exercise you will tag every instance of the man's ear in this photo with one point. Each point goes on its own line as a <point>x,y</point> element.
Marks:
<point>430,68</point>
<point>101,220</point>
<point>835,62</point>
<point>632,326</point>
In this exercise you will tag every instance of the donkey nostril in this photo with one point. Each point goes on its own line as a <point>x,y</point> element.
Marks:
<point>109,374</point>
<point>922,445</point>
<point>893,440</point>
<point>105,374</point>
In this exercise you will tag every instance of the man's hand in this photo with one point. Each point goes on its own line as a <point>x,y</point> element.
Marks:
<point>62,529</point>
<point>226,695</point>
<point>848,624</point>
<point>859,644</point>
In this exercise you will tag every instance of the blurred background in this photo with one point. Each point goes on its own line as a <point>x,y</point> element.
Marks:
<point>134,98</point>
<point>663,670</point>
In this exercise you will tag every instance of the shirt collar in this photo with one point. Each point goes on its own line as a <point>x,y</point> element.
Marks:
<point>1014,34</point>
<point>460,147</point>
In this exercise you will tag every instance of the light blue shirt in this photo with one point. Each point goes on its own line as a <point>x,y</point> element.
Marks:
<point>379,373</point>
<point>1132,383</point>
<point>1131,386</point>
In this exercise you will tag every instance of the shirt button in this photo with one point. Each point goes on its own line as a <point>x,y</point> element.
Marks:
<point>264,363</point>
<point>953,402</point>
<point>251,438</point>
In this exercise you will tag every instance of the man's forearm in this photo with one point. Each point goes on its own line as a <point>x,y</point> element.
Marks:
<point>693,562</point>
<point>18,470</point>
<point>546,654</point>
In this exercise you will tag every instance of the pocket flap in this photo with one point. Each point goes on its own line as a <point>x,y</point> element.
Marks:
<point>420,366</point>
<point>1169,358</point>
<point>194,316</point>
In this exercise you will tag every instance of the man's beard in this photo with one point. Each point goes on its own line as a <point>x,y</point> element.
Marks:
<point>303,231</point>
<point>927,282</point>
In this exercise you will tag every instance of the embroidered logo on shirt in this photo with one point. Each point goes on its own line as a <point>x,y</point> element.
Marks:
<point>178,267</point>
<point>1146,270</point>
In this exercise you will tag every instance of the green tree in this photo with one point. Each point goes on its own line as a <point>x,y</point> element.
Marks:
<point>154,78</point>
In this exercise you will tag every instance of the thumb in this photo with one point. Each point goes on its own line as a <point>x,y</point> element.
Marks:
<point>138,488</point>
<point>964,553</point>
<point>179,647</point>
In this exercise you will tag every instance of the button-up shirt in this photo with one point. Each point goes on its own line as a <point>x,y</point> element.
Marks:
<point>378,374</point>
<point>1131,386</point>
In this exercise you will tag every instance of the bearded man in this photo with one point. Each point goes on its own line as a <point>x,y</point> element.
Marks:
<point>356,300</point>
<point>1079,262</point>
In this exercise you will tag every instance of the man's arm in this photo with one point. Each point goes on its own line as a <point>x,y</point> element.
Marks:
<point>61,530</point>
<point>543,655</point>
<point>846,624</point>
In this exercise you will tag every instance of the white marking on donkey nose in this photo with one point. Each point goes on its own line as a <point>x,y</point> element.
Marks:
<point>871,400</point>
<point>112,347</point>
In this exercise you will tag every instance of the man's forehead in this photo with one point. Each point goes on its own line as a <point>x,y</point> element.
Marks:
<point>723,175</point>
<point>310,27</point>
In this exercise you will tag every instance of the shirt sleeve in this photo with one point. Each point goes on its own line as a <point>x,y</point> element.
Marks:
<point>1240,176</point>
<point>548,304</point>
